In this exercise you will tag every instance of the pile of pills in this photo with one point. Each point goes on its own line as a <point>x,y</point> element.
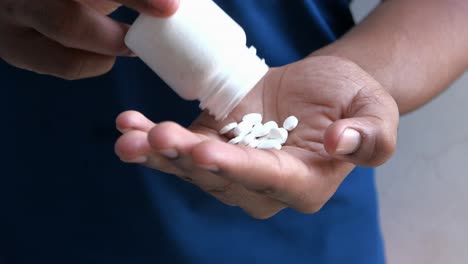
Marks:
<point>251,132</point>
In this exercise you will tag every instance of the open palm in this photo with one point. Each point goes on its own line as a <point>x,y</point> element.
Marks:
<point>345,119</point>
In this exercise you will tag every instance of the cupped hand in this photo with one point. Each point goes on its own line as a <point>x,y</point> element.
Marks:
<point>71,39</point>
<point>345,119</point>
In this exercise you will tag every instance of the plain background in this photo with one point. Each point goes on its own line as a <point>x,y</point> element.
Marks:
<point>423,188</point>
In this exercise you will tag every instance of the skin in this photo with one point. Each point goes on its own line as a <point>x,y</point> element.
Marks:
<point>327,94</point>
<point>66,38</point>
<point>399,58</point>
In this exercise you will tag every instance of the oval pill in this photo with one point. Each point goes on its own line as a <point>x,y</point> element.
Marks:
<point>236,140</point>
<point>280,134</point>
<point>269,144</point>
<point>242,129</point>
<point>227,128</point>
<point>259,130</point>
<point>270,125</point>
<point>253,118</point>
<point>290,123</point>
<point>254,143</point>
<point>247,139</point>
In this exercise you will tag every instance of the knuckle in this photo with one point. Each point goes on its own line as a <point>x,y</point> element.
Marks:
<point>278,180</point>
<point>59,28</point>
<point>311,208</point>
<point>273,187</point>
<point>187,179</point>
<point>58,21</point>
<point>223,189</point>
<point>81,66</point>
<point>261,214</point>
<point>223,193</point>
<point>267,190</point>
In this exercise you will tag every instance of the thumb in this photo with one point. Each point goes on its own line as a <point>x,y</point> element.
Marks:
<point>367,135</point>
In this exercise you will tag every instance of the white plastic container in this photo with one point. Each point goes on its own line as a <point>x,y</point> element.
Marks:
<point>201,53</point>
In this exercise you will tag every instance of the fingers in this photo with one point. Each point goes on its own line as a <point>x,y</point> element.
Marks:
<point>179,146</point>
<point>175,143</point>
<point>133,147</point>
<point>275,174</point>
<point>153,7</point>
<point>172,140</point>
<point>31,51</point>
<point>133,120</point>
<point>75,25</point>
<point>187,153</point>
<point>368,136</point>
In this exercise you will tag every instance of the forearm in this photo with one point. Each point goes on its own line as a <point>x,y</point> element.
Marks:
<point>415,49</point>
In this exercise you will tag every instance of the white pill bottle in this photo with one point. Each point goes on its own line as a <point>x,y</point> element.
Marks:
<point>201,53</point>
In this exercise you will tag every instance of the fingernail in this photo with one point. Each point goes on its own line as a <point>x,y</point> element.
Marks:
<point>349,142</point>
<point>169,153</point>
<point>212,168</point>
<point>162,6</point>
<point>141,159</point>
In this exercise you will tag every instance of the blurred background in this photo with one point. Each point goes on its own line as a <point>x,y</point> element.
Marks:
<point>423,190</point>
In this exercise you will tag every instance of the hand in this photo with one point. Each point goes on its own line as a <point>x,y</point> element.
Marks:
<point>345,119</point>
<point>71,39</point>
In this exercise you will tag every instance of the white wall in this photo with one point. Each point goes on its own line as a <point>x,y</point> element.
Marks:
<point>423,190</point>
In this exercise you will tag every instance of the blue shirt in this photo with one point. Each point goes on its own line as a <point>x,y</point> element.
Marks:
<point>67,198</point>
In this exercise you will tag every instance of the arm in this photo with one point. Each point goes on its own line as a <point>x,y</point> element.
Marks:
<point>414,49</point>
<point>347,96</point>
<point>400,57</point>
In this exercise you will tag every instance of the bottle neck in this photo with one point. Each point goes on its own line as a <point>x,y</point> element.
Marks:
<point>233,82</point>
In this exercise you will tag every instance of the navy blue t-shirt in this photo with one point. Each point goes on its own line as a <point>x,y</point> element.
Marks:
<point>65,197</point>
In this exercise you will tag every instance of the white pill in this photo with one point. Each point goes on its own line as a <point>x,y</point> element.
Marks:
<point>247,139</point>
<point>269,144</point>
<point>270,125</point>
<point>290,123</point>
<point>227,128</point>
<point>254,143</point>
<point>259,130</point>
<point>236,140</point>
<point>253,118</point>
<point>242,129</point>
<point>279,134</point>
